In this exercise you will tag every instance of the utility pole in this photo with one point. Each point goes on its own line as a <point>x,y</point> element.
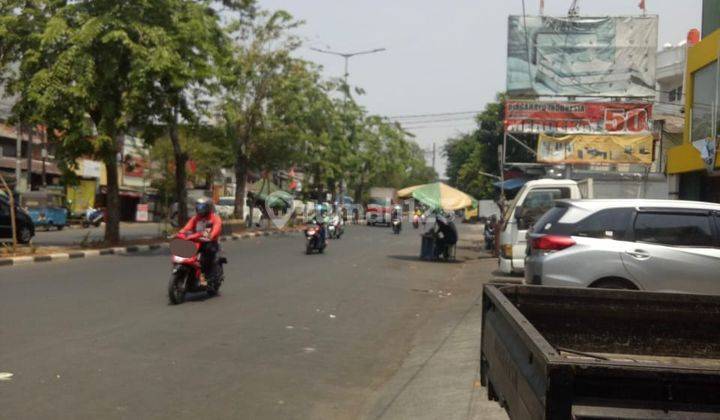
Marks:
<point>18,157</point>
<point>433,158</point>
<point>29,158</point>
<point>44,158</point>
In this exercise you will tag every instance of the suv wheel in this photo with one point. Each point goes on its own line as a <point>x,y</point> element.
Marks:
<point>24,235</point>
<point>614,283</point>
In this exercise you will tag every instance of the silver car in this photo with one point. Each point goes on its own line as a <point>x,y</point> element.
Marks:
<point>656,245</point>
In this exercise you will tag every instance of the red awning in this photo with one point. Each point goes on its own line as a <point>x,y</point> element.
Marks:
<point>130,194</point>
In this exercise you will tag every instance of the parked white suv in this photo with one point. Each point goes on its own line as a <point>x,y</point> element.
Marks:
<point>655,245</point>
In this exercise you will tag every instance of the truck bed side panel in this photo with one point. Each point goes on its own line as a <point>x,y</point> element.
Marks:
<point>512,367</point>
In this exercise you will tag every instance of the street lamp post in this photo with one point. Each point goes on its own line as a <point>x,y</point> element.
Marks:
<point>346,57</point>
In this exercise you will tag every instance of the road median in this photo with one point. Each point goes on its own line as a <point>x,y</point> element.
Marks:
<point>55,254</point>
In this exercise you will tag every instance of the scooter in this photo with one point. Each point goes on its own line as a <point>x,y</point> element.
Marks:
<point>489,235</point>
<point>185,277</point>
<point>337,228</point>
<point>396,226</point>
<point>93,217</point>
<point>313,240</point>
<point>416,221</point>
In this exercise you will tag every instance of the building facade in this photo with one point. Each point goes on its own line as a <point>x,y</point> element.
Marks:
<point>695,160</point>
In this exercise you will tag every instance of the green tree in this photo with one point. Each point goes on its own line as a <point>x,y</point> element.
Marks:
<point>209,151</point>
<point>257,106</point>
<point>179,80</point>
<point>477,151</point>
<point>101,61</point>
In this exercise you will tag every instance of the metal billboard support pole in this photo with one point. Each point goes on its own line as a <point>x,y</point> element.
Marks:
<point>502,173</point>
<point>525,146</point>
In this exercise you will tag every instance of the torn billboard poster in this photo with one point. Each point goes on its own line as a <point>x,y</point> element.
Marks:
<point>581,56</point>
<point>588,148</point>
<point>578,117</point>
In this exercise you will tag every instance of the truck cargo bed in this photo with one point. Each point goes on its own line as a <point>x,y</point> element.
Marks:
<point>559,353</point>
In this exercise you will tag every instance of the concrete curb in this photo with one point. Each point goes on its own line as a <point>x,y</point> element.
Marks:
<point>130,249</point>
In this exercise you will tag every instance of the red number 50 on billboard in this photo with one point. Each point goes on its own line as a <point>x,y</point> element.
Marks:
<point>628,120</point>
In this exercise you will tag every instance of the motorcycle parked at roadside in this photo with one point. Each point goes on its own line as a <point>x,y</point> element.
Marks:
<point>93,217</point>
<point>185,278</point>
<point>314,239</point>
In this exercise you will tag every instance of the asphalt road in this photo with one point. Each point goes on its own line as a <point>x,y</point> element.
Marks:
<point>77,235</point>
<point>290,336</point>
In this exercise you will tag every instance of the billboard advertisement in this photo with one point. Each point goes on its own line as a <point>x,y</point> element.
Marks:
<point>586,148</point>
<point>578,117</point>
<point>581,56</point>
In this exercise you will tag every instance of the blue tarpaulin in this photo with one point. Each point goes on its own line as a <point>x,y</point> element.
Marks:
<point>511,184</point>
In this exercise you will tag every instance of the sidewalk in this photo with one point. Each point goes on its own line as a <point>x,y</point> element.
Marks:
<point>440,377</point>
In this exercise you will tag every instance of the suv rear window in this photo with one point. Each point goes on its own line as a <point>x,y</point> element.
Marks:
<point>674,229</point>
<point>609,223</point>
<point>549,221</point>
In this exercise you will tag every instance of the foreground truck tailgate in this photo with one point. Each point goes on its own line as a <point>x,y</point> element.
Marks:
<point>562,353</point>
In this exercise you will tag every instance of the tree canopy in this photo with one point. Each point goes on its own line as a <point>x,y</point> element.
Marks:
<point>213,81</point>
<point>477,151</point>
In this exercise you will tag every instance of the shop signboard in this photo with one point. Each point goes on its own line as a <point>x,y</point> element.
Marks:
<point>596,149</point>
<point>142,213</point>
<point>556,117</point>
<point>90,168</point>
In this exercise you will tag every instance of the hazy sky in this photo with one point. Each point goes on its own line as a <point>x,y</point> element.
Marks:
<point>442,56</point>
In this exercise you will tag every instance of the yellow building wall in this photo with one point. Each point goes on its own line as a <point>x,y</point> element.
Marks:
<point>81,196</point>
<point>685,158</point>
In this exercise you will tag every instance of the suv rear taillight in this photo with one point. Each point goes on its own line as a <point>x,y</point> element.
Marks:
<point>552,243</point>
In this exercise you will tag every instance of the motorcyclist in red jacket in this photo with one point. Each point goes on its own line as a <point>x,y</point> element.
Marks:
<point>206,225</point>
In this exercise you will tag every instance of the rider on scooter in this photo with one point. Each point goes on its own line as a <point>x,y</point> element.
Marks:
<point>205,227</point>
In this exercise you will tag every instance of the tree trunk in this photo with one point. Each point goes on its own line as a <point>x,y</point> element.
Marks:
<point>181,159</point>
<point>359,191</point>
<point>112,211</point>
<point>241,171</point>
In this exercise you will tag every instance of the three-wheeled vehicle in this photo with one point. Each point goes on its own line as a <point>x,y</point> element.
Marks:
<point>45,208</point>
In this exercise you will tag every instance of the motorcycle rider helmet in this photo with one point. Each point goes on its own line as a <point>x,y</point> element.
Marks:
<point>203,207</point>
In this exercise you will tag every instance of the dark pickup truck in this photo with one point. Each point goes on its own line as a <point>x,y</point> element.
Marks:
<point>565,353</point>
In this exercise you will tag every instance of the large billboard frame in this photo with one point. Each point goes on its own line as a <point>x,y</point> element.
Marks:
<point>581,57</point>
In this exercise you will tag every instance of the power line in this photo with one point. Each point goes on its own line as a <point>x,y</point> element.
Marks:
<point>438,126</point>
<point>438,120</point>
<point>437,114</point>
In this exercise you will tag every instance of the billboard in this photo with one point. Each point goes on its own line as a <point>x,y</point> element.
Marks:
<point>584,148</point>
<point>578,117</point>
<point>581,56</point>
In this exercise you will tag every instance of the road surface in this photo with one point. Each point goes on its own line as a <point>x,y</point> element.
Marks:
<point>291,336</point>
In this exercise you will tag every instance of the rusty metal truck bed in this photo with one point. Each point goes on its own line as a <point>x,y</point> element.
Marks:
<point>561,353</point>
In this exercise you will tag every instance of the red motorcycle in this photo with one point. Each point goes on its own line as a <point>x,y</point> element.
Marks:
<point>185,251</point>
